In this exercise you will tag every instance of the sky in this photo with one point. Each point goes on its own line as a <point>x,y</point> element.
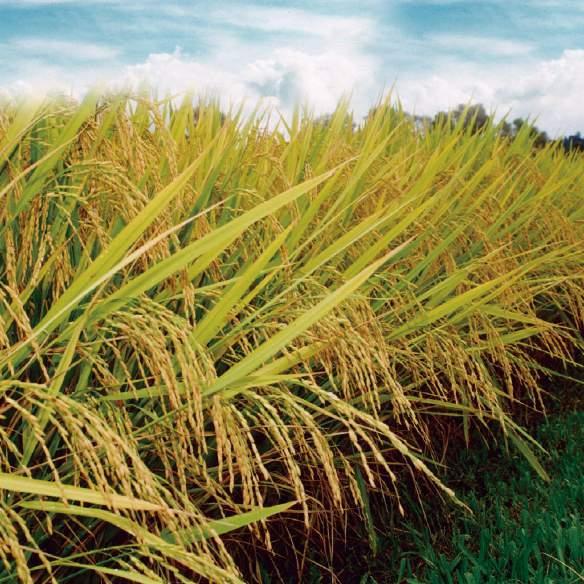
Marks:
<point>525,57</point>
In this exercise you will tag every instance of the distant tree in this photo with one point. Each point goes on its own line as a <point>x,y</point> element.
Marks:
<point>420,123</point>
<point>574,142</point>
<point>474,117</point>
<point>506,129</point>
<point>540,138</point>
<point>325,120</point>
<point>442,119</point>
<point>215,108</point>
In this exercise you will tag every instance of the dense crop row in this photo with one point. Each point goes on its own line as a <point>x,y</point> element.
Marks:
<point>204,319</point>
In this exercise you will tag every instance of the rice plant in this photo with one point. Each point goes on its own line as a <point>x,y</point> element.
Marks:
<point>218,336</point>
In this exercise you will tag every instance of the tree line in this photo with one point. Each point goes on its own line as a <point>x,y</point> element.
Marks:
<point>476,117</point>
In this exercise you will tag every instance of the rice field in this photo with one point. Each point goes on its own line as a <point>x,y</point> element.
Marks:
<point>221,337</point>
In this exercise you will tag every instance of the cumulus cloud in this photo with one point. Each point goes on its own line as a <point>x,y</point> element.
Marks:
<point>324,58</point>
<point>288,77</point>
<point>550,90</point>
<point>294,76</point>
<point>553,89</point>
<point>177,73</point>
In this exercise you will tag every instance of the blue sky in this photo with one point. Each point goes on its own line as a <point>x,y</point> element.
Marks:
<point>523,55</point>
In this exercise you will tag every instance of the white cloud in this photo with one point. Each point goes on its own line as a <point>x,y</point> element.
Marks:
<point>554,89</point>
<point>294,76</point>
<point>297,21</point>
<point>477,46</point>
<point>64,49</point>
<point>175,72</point>
<point>550,90</point>
<point>288,77</point>
<point>324,58</point>
<point>39,77</point>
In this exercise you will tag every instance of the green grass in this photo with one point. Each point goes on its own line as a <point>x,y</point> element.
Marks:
<point>522,529</point>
